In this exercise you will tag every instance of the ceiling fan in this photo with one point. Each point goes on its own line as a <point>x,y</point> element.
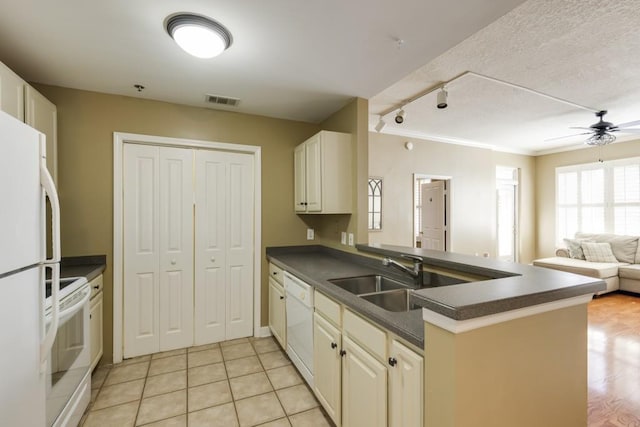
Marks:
<point>602,132</point>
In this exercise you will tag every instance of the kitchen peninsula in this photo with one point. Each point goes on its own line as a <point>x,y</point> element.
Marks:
<point>507,347</point>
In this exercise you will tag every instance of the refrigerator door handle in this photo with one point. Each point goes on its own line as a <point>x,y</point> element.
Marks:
<point>50,190</point>
<point>47,342</point>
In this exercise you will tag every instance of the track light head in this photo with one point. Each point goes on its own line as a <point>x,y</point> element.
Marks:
<point>381,124</point>
<point>400,116</point>
<point>442,99</point>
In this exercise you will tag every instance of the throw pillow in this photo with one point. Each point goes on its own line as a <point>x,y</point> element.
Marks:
<point>598,252</point>
<point>575,247</point>
<point>624,248</point>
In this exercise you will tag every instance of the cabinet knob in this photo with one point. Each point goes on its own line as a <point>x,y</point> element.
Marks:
<point>333,345</point>
<point>213,259</point>
<point>343,352</point>
<point>96,287</point>
<point>173,262</point>
<point>275,273</point>
<point>392,361</point>
<point>281,297</point>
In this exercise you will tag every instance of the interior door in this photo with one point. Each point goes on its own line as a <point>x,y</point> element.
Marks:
<point>506,221</point>
<point>176,248</point>
<point>141,250</point>
<point>433,215</point>
<point>224,246</point>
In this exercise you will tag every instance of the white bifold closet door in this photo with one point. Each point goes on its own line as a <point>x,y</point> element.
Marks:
<point>158,249</point>
<point>224,194</point>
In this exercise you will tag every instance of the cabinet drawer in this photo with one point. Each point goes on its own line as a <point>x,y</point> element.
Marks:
<point>328,308</point>
<point>276,273</point>
<point>364,333</point>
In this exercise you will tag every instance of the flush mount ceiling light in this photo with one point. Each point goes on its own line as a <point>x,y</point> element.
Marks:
<point>197,35</point>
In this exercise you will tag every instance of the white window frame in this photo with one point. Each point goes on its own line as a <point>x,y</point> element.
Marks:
<point>608,204</point>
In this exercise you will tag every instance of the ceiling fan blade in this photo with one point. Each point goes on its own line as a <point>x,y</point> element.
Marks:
<point>577,127</point>
<point>567,136</point>
<point>628,124</point>
<point>627,130</point>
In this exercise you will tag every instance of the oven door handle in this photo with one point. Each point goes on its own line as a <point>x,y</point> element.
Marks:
<point>47,342</point>
<point>70,311</point>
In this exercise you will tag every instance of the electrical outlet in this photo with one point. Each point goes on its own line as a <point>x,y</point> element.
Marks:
<point>351,242</point>
<point>310,234</point>
<point>343,237</point>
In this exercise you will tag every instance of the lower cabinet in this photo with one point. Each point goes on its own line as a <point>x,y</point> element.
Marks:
<point>96,312</point>
<point>327,366</point>
<point>364,388</point>
<point>358,385</point>
<point>277,312</point>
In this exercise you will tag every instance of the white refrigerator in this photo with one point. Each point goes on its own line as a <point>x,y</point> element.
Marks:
<point>25,337</point>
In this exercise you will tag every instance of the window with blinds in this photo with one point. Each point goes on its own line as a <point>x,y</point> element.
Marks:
<point>598,198</point>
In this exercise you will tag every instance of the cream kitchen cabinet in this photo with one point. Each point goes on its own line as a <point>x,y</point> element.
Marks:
<point>11,93</point>
<point>42,114</point>
<point>406,391</point>
<point>277,308</point>
<point>364,375</point>
<point>323,174</point>
<point>96,322</point>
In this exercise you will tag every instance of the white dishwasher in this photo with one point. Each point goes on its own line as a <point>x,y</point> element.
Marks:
<point>299,304</point>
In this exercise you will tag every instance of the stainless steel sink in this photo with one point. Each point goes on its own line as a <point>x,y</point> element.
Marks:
<point>432,280</point>
<point>396,300</point>
<point>367,284</point>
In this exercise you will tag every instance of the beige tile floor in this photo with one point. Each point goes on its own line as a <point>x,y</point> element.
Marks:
<point>244,382</point>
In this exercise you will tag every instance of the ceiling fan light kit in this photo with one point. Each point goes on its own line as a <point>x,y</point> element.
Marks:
<point>198,35</point>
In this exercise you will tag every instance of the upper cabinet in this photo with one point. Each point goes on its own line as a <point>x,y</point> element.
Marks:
<point>11,93</point>
<point>323,174</point>
<point>42,115</point>
<point>28,105</point>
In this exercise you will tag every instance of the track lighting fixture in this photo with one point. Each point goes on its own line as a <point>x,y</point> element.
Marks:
<point>381,124</point>
<point>442,99</point>
<point>400,116</point>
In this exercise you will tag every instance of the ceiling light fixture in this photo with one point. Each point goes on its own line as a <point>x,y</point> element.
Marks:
<point>603,138</point>
<point>197,35</point>
<point>400,116</point>
<point>442,99</point>
<point>381,124</point>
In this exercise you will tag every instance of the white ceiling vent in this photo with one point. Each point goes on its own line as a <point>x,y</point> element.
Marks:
<point>222,100</point>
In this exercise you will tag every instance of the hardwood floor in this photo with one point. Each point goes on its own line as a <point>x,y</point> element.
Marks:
<point>614,361</point>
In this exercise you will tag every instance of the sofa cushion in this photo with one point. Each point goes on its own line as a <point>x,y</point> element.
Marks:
<point>574,246</point>
<point>630,271</point>
<point>598,252</point>
<point>624,248</point>
<point>599,270</point>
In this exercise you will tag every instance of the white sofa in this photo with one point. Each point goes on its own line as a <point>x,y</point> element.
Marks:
<point>623,274</point>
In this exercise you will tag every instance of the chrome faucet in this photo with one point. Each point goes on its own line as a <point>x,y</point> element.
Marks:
<point>416,272</point>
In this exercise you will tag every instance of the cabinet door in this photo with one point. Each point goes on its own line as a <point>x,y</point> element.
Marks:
<point>300,181</point>
<point>176,248</point>
<point>95,329</point>
<point>327,366</point>
<point>405,387</point>
<point>11,93</point>
<point>42,115</point>
<point>314,174</point>
<point>364,388</point>
<point>277,322</point>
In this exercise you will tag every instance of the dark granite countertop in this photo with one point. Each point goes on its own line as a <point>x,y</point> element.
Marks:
<point>88,266</point>
<point>508,285</point>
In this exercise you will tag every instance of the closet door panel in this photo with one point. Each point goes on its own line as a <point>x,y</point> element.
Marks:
<point>210,244</point>
<point>176,248</point>
<point>240,188</point>
<point>141,250</point>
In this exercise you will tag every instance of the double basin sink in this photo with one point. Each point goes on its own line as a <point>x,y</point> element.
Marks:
<point>388,293</point>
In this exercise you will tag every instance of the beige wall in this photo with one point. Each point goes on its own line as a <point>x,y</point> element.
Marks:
<point>499,376</point>
<point>546,185</point>
<point>86,122</point>
<point>473,188</point>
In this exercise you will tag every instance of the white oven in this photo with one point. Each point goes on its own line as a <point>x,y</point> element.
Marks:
<point>68,382</point>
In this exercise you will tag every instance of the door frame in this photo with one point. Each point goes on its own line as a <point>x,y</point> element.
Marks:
<point>447,205</point>
<point>119,139</point>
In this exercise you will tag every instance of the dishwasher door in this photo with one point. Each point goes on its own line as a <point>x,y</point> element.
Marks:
<point>299,304</point>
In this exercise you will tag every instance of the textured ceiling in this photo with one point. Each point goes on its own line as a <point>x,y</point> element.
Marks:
<point>584,51</point>
<point>291,59</point>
